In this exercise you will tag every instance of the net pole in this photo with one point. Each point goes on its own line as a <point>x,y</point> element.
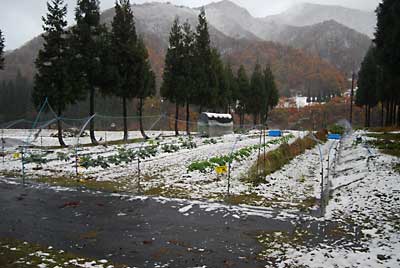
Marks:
<point>77,142</point>
<point>2,145</point>
<point>76,161</point>
<point>229,178</point>
<point>259,153</point>
<point>138,166</point>
<point>140,149</point>
<point>264,145</point>
<point>23,166</point>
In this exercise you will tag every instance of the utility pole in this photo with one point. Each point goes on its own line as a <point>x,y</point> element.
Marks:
<point>352,97</point>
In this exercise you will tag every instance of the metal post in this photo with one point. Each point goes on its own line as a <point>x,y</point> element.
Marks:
<point>264,145</point>
<point>23,166</point>
<point>105,138</point>
<point>351,97</point>
<point>259,153</point>
<point>138,165</point>
<point>229,178</point>
<point>76,161</point>
<point>2,144</point>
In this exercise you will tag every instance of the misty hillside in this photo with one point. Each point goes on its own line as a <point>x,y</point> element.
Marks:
<point>308,14</point>
<point>341,46</point>
<point>289,64</point>
<point>336,43</point>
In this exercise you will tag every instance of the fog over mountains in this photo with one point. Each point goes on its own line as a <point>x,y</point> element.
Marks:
<point>308,14</point>
<point>339,36</point>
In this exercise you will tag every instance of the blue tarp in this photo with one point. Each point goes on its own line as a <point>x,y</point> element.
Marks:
<point>275,133</point>
<point>334,136</point>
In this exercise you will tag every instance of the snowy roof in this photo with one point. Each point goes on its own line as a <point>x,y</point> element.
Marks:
<point>220,116</point>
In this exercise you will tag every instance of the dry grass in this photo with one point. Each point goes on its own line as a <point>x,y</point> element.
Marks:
<point>276,159</point>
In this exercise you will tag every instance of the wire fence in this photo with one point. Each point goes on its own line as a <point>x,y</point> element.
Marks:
<point>31,147</point>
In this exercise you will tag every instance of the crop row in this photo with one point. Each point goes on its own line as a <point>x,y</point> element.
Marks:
<point>239,155</point>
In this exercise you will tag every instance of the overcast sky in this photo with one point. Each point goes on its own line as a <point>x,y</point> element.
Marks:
<point>20,20</point>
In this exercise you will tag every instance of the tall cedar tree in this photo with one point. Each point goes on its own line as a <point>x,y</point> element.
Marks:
<point>203,62</point>
<point>367,84</point>
<point>242,93</point>
<point>188,57</point>
<point>387,39</point>
<point>172,87</point>
<point>219,89</point>
<point>1,51</point>
<point>257,95</point>
<point>147,81</point>
<point>271,92</point>
<point>231,88</point>
<point>52,80</point>
<point>86,41</point>
<point>125,56</point>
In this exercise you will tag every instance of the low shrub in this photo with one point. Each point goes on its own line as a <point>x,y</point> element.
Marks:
<point>336,129</point>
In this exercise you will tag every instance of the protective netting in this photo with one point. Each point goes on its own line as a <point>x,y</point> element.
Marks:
<point>32,147</point>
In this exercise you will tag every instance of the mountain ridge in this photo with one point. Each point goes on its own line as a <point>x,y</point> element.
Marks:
<point>153,22</point>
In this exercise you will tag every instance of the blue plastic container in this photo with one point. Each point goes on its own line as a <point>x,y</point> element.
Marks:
<point>275,133</point>
<point>334,136</point>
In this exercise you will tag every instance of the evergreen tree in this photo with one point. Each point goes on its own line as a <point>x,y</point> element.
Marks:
<point>241,94</point>
<point>188,58</point>
<point>271,92</point>
<point>205,80</point>
<point>172,87</point>
<point>220,89</point>
<point>147,86</point>
<point>366,94</point>
<point>52,79</point>
<point>1,51</point>
<point>86,41</point>
<point>387,39</point>
<point>257,95</point>
<point>231,84</point>
<point>125,57</point>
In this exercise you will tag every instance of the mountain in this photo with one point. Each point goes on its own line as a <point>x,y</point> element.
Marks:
<point>334,42</point>
<point>232,20</point>
<point>292,67</point>
<point>307,14</point>
<point>343,47</point>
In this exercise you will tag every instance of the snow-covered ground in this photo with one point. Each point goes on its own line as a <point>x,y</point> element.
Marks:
<point>165,170</point>
<point>361,224</point>
<point>365,194</point>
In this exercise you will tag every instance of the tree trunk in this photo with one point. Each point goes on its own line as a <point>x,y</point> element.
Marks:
<point>241,120</point>
<point>398,116</point>
<point>387,113</point>
<point>188,118</point>
<point>369,115</point>
<point>382,115</point>
<point>125,114</point>
<point>60,130</point>
<point>91,113</point>
<point>141,119</point>
<point>255,119</point>
<point>393,122</point>
<point>176,119</point>
<point>366,115</point>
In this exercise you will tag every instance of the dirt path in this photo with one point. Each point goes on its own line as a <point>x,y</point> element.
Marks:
<point>142,233</point>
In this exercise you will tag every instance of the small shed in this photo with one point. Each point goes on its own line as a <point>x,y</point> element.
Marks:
<point>215,125</point>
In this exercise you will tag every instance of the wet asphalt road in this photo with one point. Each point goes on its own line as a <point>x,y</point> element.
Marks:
<point>139,233</point>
